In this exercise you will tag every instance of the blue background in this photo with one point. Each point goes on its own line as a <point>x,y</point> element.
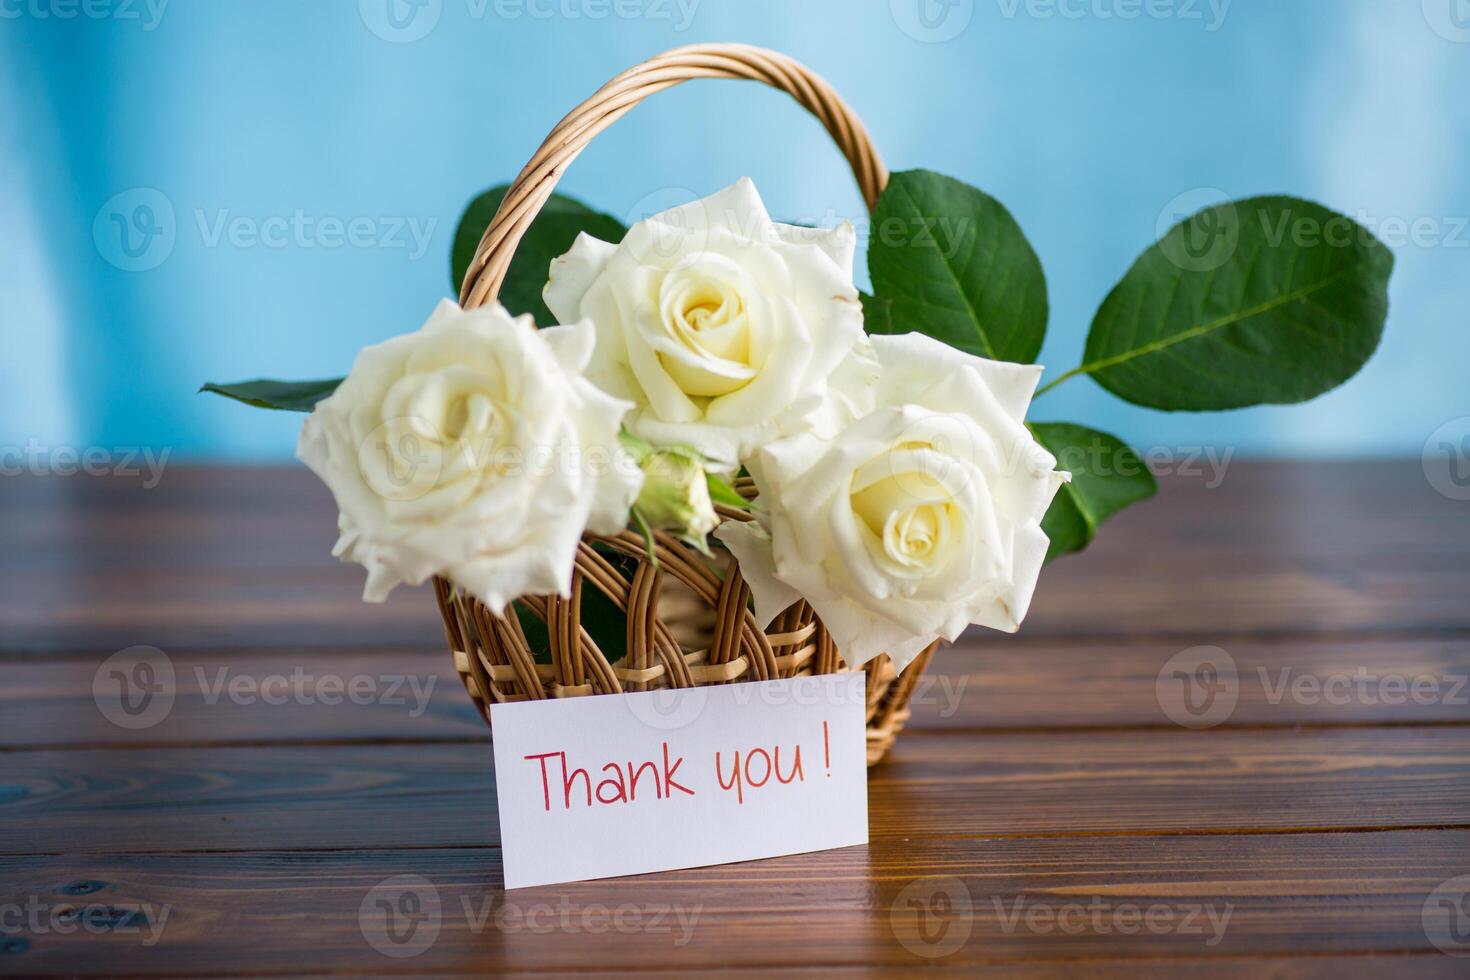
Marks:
<point>1087,123</point>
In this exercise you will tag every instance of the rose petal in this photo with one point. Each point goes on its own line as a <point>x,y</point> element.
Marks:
<point>912,360</point>
<point>570,276</point>
<point>839,244</point>
<point>737,207</point>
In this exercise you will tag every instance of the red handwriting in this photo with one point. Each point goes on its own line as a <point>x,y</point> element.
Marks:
<point>758,769</point>
<point>620,785</point>
<point>566,785</point>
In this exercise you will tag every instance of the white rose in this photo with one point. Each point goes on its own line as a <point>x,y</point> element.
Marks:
<point>473,449</point>
<point>915,520</point>
<point>721,325</point>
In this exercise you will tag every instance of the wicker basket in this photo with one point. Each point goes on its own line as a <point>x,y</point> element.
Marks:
<point>680,602</point>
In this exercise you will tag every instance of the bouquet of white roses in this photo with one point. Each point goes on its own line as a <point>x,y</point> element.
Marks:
<point>899,493</point>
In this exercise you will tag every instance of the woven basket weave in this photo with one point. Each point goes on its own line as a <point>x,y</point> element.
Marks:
<point>680,601</point>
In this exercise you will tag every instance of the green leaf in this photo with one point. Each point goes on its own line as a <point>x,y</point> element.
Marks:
<point>605,623</point>
<point>601,617</point>
<point>551,234</point>
<point>1106,477</point>
<point>722,492</point>
<point>951,262</point>
<point>286,396</point>
<point>1270,300</point>
<point>877,314</point>
<point>538,637</point>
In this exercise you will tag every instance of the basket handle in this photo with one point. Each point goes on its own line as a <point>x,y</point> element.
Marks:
<point>534,184</point>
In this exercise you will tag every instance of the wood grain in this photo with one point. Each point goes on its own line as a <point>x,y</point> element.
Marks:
<point>1043,775</point>
<point>212,558</point>
<point>959,784</point>
<point>301,913</point>
<point>285,696</point>
<point>999,682</point>
<point>988,683</point>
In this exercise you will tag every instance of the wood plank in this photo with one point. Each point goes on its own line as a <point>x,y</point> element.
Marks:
<point>258,696</point>
<point>999,682</point>
<point>1047,899</point>
<point>958,784</point>
<point>209,557</point>
<point>95,608</point>
<point>413,693</point>
<point>241,557</point>
<point>1276,546</point>
<point>1043,771</point>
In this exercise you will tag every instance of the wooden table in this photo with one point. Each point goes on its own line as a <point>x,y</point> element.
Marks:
<point>1046,810</point>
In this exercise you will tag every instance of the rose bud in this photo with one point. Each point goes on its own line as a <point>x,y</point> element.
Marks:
<point>675,495</point>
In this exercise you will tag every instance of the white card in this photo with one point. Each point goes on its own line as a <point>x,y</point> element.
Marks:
<point>593,787</point>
